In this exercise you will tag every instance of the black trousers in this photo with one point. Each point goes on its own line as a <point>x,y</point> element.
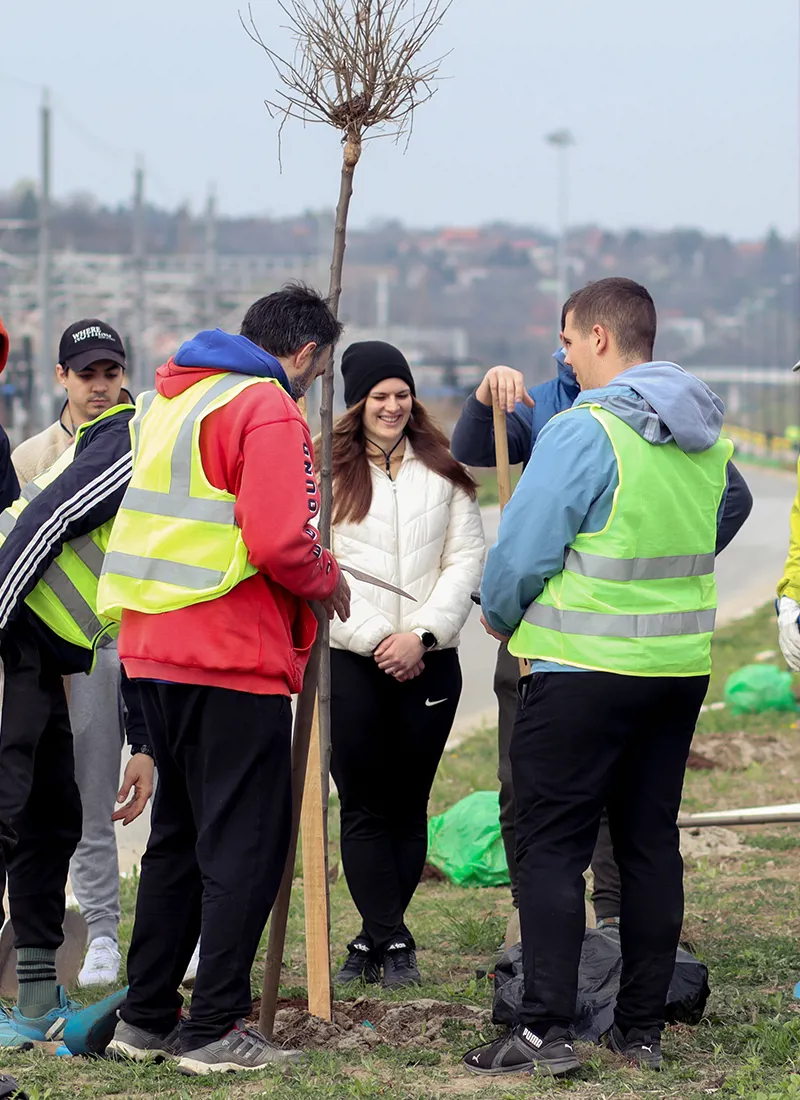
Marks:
<point>219,836</point>
<point>606,892</point>
<point>584,741</point>
<point>387,739</point>
<point>40,805</point>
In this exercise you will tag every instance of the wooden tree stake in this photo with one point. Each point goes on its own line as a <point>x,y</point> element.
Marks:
<point>504,478</point>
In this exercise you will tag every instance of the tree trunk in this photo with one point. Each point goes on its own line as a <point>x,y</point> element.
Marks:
<point>352,153</point>
<point>315,876</point>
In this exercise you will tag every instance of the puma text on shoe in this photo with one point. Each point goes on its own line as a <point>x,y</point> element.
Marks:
<point>523,1051</point>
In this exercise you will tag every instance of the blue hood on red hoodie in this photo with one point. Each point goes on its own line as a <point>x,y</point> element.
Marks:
<point>214,349</point>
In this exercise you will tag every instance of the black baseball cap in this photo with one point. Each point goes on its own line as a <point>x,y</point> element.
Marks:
<point>90,341</point>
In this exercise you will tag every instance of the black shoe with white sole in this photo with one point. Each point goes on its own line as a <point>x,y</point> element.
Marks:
<point>400,964</point>
<point>641,1047</point>
<point>242,1048</point>
<point>523,1051</point>
<point>361,965</point>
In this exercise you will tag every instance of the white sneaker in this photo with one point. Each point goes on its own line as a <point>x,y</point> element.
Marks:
<point>102,963</point>
<point>191,969</point>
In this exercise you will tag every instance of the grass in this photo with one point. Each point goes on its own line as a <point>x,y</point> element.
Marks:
<point>742,917</point>
<point>487,483</point>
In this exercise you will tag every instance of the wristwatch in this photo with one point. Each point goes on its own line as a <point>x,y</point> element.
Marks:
<point>428,640</point>
<point>146,749</point>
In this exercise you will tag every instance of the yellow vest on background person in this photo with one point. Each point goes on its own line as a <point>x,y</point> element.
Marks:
<point>65,599</point>
<point>638,598</point>
<point>175,541</point>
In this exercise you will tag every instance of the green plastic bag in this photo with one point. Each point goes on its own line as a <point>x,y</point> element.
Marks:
<point>755,689</point>
<point>465,843</point>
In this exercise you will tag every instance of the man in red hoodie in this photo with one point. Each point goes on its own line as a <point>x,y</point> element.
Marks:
<point>212,562</point>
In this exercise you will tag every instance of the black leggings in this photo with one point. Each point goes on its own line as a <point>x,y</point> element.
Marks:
<point>387,739</point>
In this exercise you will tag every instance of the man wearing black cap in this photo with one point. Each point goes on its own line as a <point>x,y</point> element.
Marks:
<point>91,368</point>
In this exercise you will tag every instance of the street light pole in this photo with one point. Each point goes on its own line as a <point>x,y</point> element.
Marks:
<point>561,140</point>
<point>42,412</point>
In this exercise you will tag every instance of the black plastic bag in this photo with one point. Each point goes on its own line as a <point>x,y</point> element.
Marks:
<point>9,1087</point>
<point>598,985</point>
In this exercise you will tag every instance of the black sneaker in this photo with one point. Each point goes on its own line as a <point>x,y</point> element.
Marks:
<point>522,1051</point>
<point>641,1047</point>
<point>361,965</point>
<point>400,965</point>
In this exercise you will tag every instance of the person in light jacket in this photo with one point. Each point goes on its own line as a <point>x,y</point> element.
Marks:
<point>406,511</point>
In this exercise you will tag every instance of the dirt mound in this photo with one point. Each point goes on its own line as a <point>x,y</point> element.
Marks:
<point>711,842</point>
<point>736,751</point>
<point>364,1023</point>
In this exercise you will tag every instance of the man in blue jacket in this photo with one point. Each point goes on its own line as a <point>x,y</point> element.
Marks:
<point>603,572</point>
<point>527,413</point>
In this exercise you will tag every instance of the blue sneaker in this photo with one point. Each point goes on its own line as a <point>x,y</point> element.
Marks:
<point>91,1029</point>
<point>9,1036</point>
<point>82,1030</point>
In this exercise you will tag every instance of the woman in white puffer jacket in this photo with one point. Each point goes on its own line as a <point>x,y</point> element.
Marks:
<point>403,510</point>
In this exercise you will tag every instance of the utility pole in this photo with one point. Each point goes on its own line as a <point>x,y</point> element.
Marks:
<point>139,296</point>
<point>42,410</point>
<point>210,304</point>
<point>561,140</point>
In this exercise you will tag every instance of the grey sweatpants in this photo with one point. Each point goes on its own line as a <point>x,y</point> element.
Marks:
<point>97,719</point>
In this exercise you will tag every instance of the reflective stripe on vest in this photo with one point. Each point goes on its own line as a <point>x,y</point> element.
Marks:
<point>639,569</point>
<point>620,626</point>
<point>157,569</point>
<point>56,579</point>
<point>175,541</point>
<point>65,597</point>
<point>178,503</point>
<point>638,596</point>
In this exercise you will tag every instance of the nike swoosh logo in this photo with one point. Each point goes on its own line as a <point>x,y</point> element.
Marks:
<point>435,702</point>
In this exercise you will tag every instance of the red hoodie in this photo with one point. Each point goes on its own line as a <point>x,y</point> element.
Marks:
<point>257,637</point>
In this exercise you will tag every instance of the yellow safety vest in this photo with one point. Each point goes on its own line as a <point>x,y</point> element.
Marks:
<point>65,599</point>
<point>175,541</point>
<point>637,598</point>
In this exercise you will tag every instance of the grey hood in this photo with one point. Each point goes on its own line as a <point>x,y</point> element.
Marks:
<point>663,403</point>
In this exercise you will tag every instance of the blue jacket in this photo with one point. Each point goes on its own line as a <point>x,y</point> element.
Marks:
<point>473,435</point>
<point>570,482</point>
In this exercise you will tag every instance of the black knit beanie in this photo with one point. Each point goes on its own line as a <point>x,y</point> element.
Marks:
<point>369,362</point>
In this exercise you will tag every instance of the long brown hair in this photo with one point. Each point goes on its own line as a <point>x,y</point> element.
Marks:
<point>352,477</point>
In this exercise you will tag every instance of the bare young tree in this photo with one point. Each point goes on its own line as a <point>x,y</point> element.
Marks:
<point>358,66</point>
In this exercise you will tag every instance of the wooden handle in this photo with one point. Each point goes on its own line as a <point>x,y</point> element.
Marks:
<point>501,455</point>
<point>303,726</point>
<point>504,478</point>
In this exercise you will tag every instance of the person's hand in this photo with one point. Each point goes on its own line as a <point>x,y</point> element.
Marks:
<point>789,631</point>
<point>399,653</point>
<point>401,677</point>
<point>138,778</point>
<point>492,632</point>
<point>505,387</point>
<point>338,603</point>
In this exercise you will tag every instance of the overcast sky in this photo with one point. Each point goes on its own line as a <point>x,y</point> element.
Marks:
<point>685,112</point>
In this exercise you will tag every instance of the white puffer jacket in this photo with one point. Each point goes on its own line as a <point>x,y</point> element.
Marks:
<point>422,534</point>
